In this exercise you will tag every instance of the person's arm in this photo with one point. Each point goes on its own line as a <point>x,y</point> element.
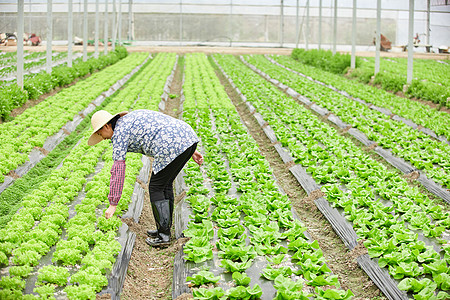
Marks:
<point>197,157</point>
<point>115,186</point>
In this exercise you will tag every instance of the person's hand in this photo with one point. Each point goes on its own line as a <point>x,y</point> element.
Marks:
<point>197,157</point>
<point>110,211</point>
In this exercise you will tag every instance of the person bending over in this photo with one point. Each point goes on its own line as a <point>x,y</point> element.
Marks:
<point>170,141</point>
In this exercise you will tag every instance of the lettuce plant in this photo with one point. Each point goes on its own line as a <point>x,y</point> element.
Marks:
<point>202,277</point>
<point>53,275</point>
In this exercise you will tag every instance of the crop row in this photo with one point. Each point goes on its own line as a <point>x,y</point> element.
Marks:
<point>414,146</point>
<point>386,212</point>
<point>35,85</point>
<point>419,113</point>
<point>32,64</point>
<point>8,58</point>
<point>244,216</point>
<point>428,75</point>
<point>429,78</point>
<point>63,219</point>
<point>32,127</point>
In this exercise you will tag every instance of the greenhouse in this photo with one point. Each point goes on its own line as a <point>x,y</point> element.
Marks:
<point>230,149</point>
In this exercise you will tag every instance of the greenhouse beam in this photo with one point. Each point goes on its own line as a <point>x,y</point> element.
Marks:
<point>49,36</point>
<point>96,28</point>
<point>85,30</point>
<point>353,60</point>
<point>409,74</point>
<point>69,35</point>
<point>320,24</point>
<point>114,30</point>
<point>20,8</point>
<point>335,27</point>
<point>296,27</point>
<point>281,23</point>
<point>105,41</point>
<point>378,38</point>
<point>119,36</point>
<point>307,25</point>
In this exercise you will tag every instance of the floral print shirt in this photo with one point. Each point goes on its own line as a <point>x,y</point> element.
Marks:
<point>154,134</point>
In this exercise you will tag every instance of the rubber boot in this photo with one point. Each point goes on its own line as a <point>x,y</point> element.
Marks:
<point>163,220</point>
<point>154,233</point>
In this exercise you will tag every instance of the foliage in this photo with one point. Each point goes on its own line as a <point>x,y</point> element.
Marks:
<point>53,274</point>
<point>324,59</point>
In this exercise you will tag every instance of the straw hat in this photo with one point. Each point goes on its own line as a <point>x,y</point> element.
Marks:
<point>98,120</point>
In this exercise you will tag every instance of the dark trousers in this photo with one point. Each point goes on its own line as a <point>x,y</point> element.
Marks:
<point>161,183</point>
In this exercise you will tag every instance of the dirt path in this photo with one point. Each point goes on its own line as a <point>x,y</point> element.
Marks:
<point>150,271</point>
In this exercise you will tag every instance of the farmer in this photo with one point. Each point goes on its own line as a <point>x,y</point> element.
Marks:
<point>171,142</point>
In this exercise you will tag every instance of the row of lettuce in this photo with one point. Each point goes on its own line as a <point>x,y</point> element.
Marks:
<point>60,236</point>
<point>419,149</point>
<point>35,85</point>
<point>9,58</point>
<point>31,128</point>
<point>406,231</point>
<point>243,217</point>
<point>31,62</point>
<point>430,80</point>
<point>421,114</point>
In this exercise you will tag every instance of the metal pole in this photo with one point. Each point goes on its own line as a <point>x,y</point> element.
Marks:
<point>307,26</point>
<point>70,34</point>
<point>181,22</point>
<point>85,30</point>
<point>409,75</point>
<point>114,30</point>
<point>281,23</point>
<point>230,22</point>
<point>29,17</point>
<point>49,36</point>
<point>353,61</point>
<point>296,27</point>
<point>20,25</point>
<point>428,22</point>
<point>335,27</point>
<point>378,38</point>
<point>97,26</point>
<point>120,23</point>
<point>320,24</point>
<point>105,42</point>
<point>130,20</point>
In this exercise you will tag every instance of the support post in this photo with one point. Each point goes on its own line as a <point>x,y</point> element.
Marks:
<point>130,20</point>
<point>119,33</point>
<point>307,26</point>
<point>49,36</point>
<point>296,26</point>
<point>181,22</point>
<point>281,23</point>
<point>20,30</point>
<point>114,29</point>
<point>378,38</point>
<point>105,42</point>
<point>335,27</point>
<point>97,26</point>
<point>320,24</point>
<point>70,34</point>
<point>85,30</point>
<point>428,22</point>
<point>409,75</point>
<point>353,60</point>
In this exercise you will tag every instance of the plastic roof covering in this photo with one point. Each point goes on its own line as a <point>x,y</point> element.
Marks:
<point>394,16</point>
